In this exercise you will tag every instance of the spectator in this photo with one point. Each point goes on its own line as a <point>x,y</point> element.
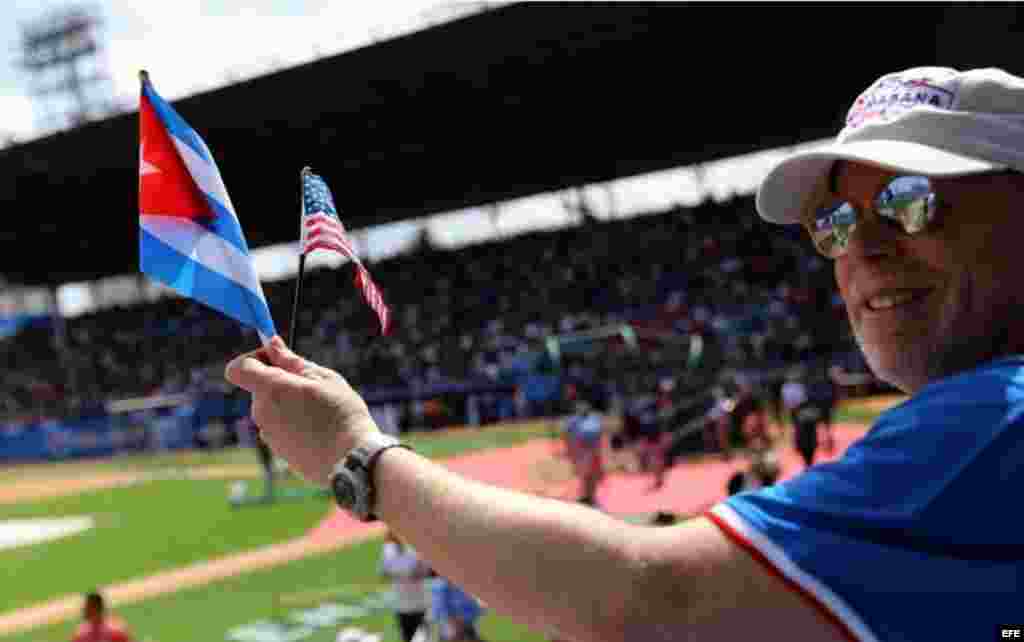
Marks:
<point>930,281</point>
<point>583,434</point>
<point>409,581</point>
<point>386,416</point>
<point>267,463</point>
<point>763,470</point>
<point>805,415</point>
<point>746,424</point>
<point>825,393</point>
<point>454,611</point>
<point>98,625</point>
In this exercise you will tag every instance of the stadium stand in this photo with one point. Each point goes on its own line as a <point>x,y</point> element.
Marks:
<point>759,298</point>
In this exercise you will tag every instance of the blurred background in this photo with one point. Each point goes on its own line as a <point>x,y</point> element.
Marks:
<point>555,198</point>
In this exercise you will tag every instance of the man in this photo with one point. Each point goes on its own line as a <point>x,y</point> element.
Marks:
<point>656,442</point>
<point>98,626</point>
<point>746,424</point>
<point>386,417</point>
<point>640,425</point>
<point>915,206</point>
<point>805,414</point>
<point>454,612</point>
<point>408,575</point>
<point>583,432</point>
<point>824,392</point>
<point>763,471</point>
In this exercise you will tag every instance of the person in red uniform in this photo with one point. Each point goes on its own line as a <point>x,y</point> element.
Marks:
<point>98,625</point>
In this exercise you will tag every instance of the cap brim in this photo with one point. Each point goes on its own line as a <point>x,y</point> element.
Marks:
<point>789,187</point>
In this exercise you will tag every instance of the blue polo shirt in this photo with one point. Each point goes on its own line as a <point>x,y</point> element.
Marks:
<point>585,429</point>
<point>917,532</point>
<point>448,600</point>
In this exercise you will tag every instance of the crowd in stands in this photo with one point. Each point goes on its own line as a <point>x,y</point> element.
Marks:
<point>757,294</point>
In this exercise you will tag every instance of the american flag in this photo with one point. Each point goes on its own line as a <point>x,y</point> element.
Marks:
<point>323,230</point>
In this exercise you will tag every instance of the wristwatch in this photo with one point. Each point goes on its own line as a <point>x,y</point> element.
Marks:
<point>352,479</point>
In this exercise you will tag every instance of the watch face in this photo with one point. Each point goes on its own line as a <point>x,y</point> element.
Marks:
<point>344,492</point>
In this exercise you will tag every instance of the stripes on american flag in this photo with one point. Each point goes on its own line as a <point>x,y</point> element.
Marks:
<point>373,297</point>
<point>323,230</point>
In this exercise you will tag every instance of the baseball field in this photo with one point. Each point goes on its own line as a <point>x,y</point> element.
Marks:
<point>178,561</point>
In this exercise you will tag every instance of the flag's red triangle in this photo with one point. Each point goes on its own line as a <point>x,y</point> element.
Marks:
<point>165,186</point>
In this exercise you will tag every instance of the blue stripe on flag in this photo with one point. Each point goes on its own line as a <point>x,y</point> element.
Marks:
<point>225,225</point>
<point>174,123</point>
<point>163,263</point>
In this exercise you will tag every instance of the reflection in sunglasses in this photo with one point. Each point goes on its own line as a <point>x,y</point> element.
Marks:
<point>908,202</point>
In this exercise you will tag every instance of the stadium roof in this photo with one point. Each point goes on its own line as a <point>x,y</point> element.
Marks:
<point>507,103</point>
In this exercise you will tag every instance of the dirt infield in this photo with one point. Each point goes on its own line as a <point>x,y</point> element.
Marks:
<point>36,489</point>
<point>70,606</point>
<point>47,488</point>
<point>506,466</point>
<point>533,467</point>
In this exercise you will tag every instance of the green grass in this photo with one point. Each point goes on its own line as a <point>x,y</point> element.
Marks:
<point>856,415</point>
<point>447,444</point>
<point>140,530</point>
<point>211,611</point>
<point>852,414</point>
<point>439,444</point>
<point>147,462</point>
<point>164,524</point>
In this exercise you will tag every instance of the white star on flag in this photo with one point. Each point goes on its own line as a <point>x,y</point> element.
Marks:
<point>145,167</point>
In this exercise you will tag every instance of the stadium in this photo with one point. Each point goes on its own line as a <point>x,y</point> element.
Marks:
<point>555,201</point>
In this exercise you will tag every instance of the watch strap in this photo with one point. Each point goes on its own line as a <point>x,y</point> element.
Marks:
<point>360,461</point>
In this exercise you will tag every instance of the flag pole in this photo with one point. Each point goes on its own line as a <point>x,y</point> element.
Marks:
<point>302,259</point>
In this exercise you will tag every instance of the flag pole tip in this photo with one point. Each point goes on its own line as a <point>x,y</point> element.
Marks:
<point>143,75</point>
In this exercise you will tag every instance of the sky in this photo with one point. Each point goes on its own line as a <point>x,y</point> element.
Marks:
<point>189,46</point>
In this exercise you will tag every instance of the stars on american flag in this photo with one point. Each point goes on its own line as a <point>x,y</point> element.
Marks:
<point>317,195</point>
<point>321,227</point>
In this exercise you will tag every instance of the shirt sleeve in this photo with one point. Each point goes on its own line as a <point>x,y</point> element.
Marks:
<point>893,539</point>
<point>439,600</point>
<point>396,562</point>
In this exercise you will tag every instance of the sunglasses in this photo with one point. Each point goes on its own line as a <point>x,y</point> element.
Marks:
<point>908,203</point>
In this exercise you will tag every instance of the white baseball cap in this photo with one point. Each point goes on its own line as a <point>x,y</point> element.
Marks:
<point>933,121</point>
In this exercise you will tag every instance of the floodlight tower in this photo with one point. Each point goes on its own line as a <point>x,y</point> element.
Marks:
<point>63,57</point>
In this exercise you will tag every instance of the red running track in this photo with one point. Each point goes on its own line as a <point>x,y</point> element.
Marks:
<point>689,488</point>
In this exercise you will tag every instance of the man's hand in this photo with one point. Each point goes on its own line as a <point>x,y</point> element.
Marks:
<point>306,413</point>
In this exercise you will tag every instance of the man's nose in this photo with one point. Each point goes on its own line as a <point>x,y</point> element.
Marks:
<point>872,237</point>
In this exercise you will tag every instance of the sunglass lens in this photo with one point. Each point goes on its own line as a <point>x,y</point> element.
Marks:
<point>832,227</point>
<point>909,201</point>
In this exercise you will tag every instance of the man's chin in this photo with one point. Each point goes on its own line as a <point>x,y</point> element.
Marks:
<point>907,370</point>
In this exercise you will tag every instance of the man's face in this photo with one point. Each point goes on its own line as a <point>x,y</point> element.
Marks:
<point>92,612</point>
<point>927,306</point>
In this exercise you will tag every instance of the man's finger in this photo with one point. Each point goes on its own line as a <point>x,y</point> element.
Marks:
<point>251,373</point>
<point>282,357</point>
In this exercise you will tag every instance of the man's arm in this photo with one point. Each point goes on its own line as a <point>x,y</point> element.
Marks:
<point>723,426</point>
<point>570,568</point>
<point>549,563</point>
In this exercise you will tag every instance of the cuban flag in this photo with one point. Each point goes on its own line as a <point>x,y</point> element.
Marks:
<point>189,235</point>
